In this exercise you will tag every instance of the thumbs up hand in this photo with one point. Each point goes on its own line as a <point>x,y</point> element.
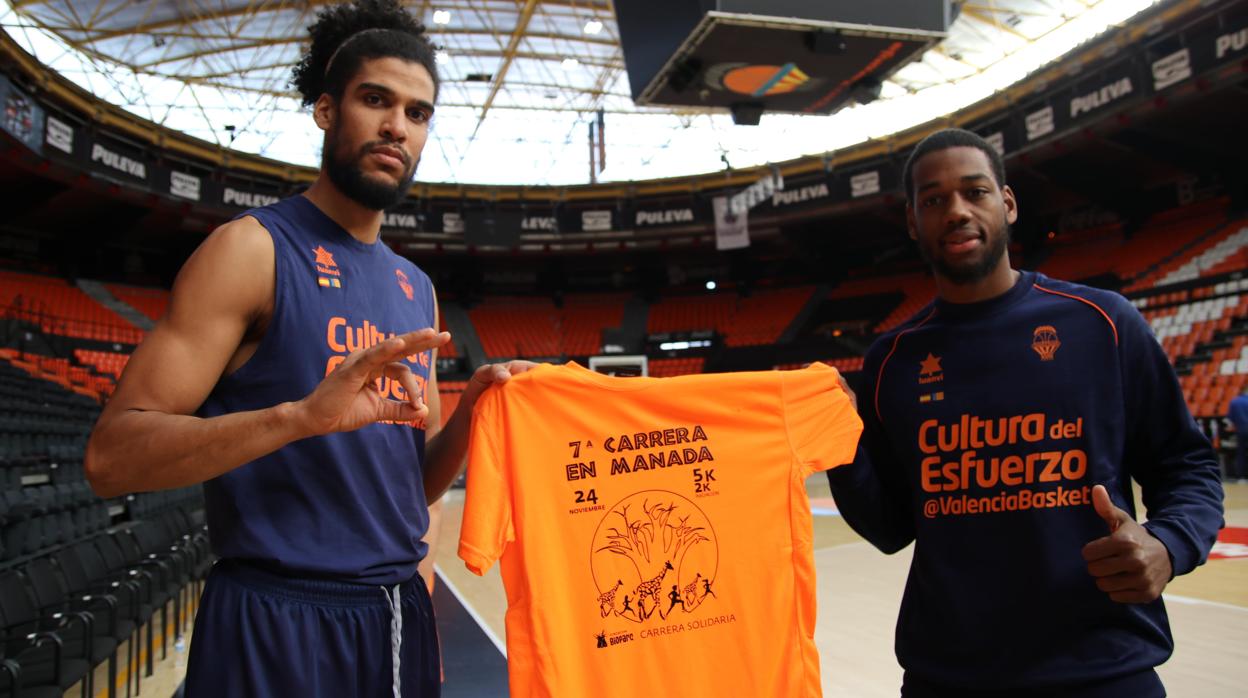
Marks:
<point>1129,564</point>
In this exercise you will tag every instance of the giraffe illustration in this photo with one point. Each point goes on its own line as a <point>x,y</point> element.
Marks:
<point>652,588</point>
<point>691,592</point>
<point>606,602</point>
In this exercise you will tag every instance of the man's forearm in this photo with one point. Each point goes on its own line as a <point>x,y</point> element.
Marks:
<point>445,453</point>
<point>142,450</point>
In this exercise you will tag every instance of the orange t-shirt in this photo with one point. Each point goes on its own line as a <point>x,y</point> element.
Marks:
<point>655,534</point>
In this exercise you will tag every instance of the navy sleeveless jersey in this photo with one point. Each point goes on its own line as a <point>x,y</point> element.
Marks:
<point>348,506</point>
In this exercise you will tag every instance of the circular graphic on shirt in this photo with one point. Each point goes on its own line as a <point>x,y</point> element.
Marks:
<point>655,553</point>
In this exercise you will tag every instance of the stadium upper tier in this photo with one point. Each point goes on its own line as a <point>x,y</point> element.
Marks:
<point>1095,87</point>
<point>524,81</point>
<point>1182,268</point>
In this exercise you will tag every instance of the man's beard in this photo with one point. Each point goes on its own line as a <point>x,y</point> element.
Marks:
<point>347,176</point>
<point>963,275</point>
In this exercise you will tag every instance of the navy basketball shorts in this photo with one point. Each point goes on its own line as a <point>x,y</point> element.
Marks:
<point>260,635</point>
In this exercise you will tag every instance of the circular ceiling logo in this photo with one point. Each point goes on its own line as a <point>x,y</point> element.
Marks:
<point>759,80</point>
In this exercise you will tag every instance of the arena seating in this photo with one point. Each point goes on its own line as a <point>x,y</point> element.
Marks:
<point>517,327</point>
<point>752,320</point>
<point>450,392</point>
<point>1149,253</point>
<point>59,308</point>
<point>1221,254</point>
<point>80,576</point>
<point>152,302</point>
<point>105,362</point>
<point>1166,241</point>
<point>1180,328</point>
<point>1204,331</point>
<point>448,350</point>
<point>691,312</point>
<point>74,378</point>
<point>844,365</point>
<point>1084,254</point>
<point>1196,325</point>
<point>683,366</point>
<point>916,289</point>
<point>584,317</point>
<point>514,327</point>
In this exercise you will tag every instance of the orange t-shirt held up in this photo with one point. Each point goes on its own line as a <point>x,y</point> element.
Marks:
<point>654,533</point>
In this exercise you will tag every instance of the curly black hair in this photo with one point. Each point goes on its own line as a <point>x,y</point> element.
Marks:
<point>341,41</point>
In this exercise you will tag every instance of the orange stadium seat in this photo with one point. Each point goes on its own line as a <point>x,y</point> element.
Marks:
<point>517,327</point>
<point>449,393</point>
<point>583,319</point>
<point>152,302</point>
<point>448,351</point>
<point>1086,254</point>
<point>104,362</point>
<point>1162,237</point>
<point>683,366</point>
<point>759,318</point>
<point>535,328</point>
<point>59,308</point>
<point>917,290</point>
<point>844,364</point>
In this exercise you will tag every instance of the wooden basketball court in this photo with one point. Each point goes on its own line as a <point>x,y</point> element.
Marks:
<point>859,593</point>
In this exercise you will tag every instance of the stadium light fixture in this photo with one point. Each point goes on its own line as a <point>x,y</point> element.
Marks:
<point>710,285</point>
<point>593,26</point>
<point>570,63</point>
<point>441,17</point>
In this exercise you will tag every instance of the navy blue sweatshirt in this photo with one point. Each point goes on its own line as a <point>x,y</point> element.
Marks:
<point>986,426</point>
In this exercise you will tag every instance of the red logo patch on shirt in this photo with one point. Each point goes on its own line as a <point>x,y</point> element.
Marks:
<point>403,284</point>
<point>930,370</point>
<point>1045,342</point>
<point>326,270</point>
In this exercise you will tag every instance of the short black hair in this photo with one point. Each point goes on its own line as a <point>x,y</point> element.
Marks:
<point>952,138</point>
<point>346,35</point>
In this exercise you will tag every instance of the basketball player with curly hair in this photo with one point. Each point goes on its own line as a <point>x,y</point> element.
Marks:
<point>293,378</point>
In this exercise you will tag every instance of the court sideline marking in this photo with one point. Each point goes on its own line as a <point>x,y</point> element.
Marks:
<point>1191,601</point>
<point>499,644</point>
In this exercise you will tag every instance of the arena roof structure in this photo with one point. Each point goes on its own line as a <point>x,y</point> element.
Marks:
<point>522,80</point>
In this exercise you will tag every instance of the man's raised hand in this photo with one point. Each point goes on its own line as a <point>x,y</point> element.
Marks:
<point>349,397</point>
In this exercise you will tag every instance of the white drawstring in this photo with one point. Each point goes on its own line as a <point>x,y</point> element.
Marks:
<point>396,633</point>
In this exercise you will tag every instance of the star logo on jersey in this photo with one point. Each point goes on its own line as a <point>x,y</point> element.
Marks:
<point>403,284</point>
<point>326,269</point>
<point>1044,342</point>
<point>930,370</point>
<point>325,261</point>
